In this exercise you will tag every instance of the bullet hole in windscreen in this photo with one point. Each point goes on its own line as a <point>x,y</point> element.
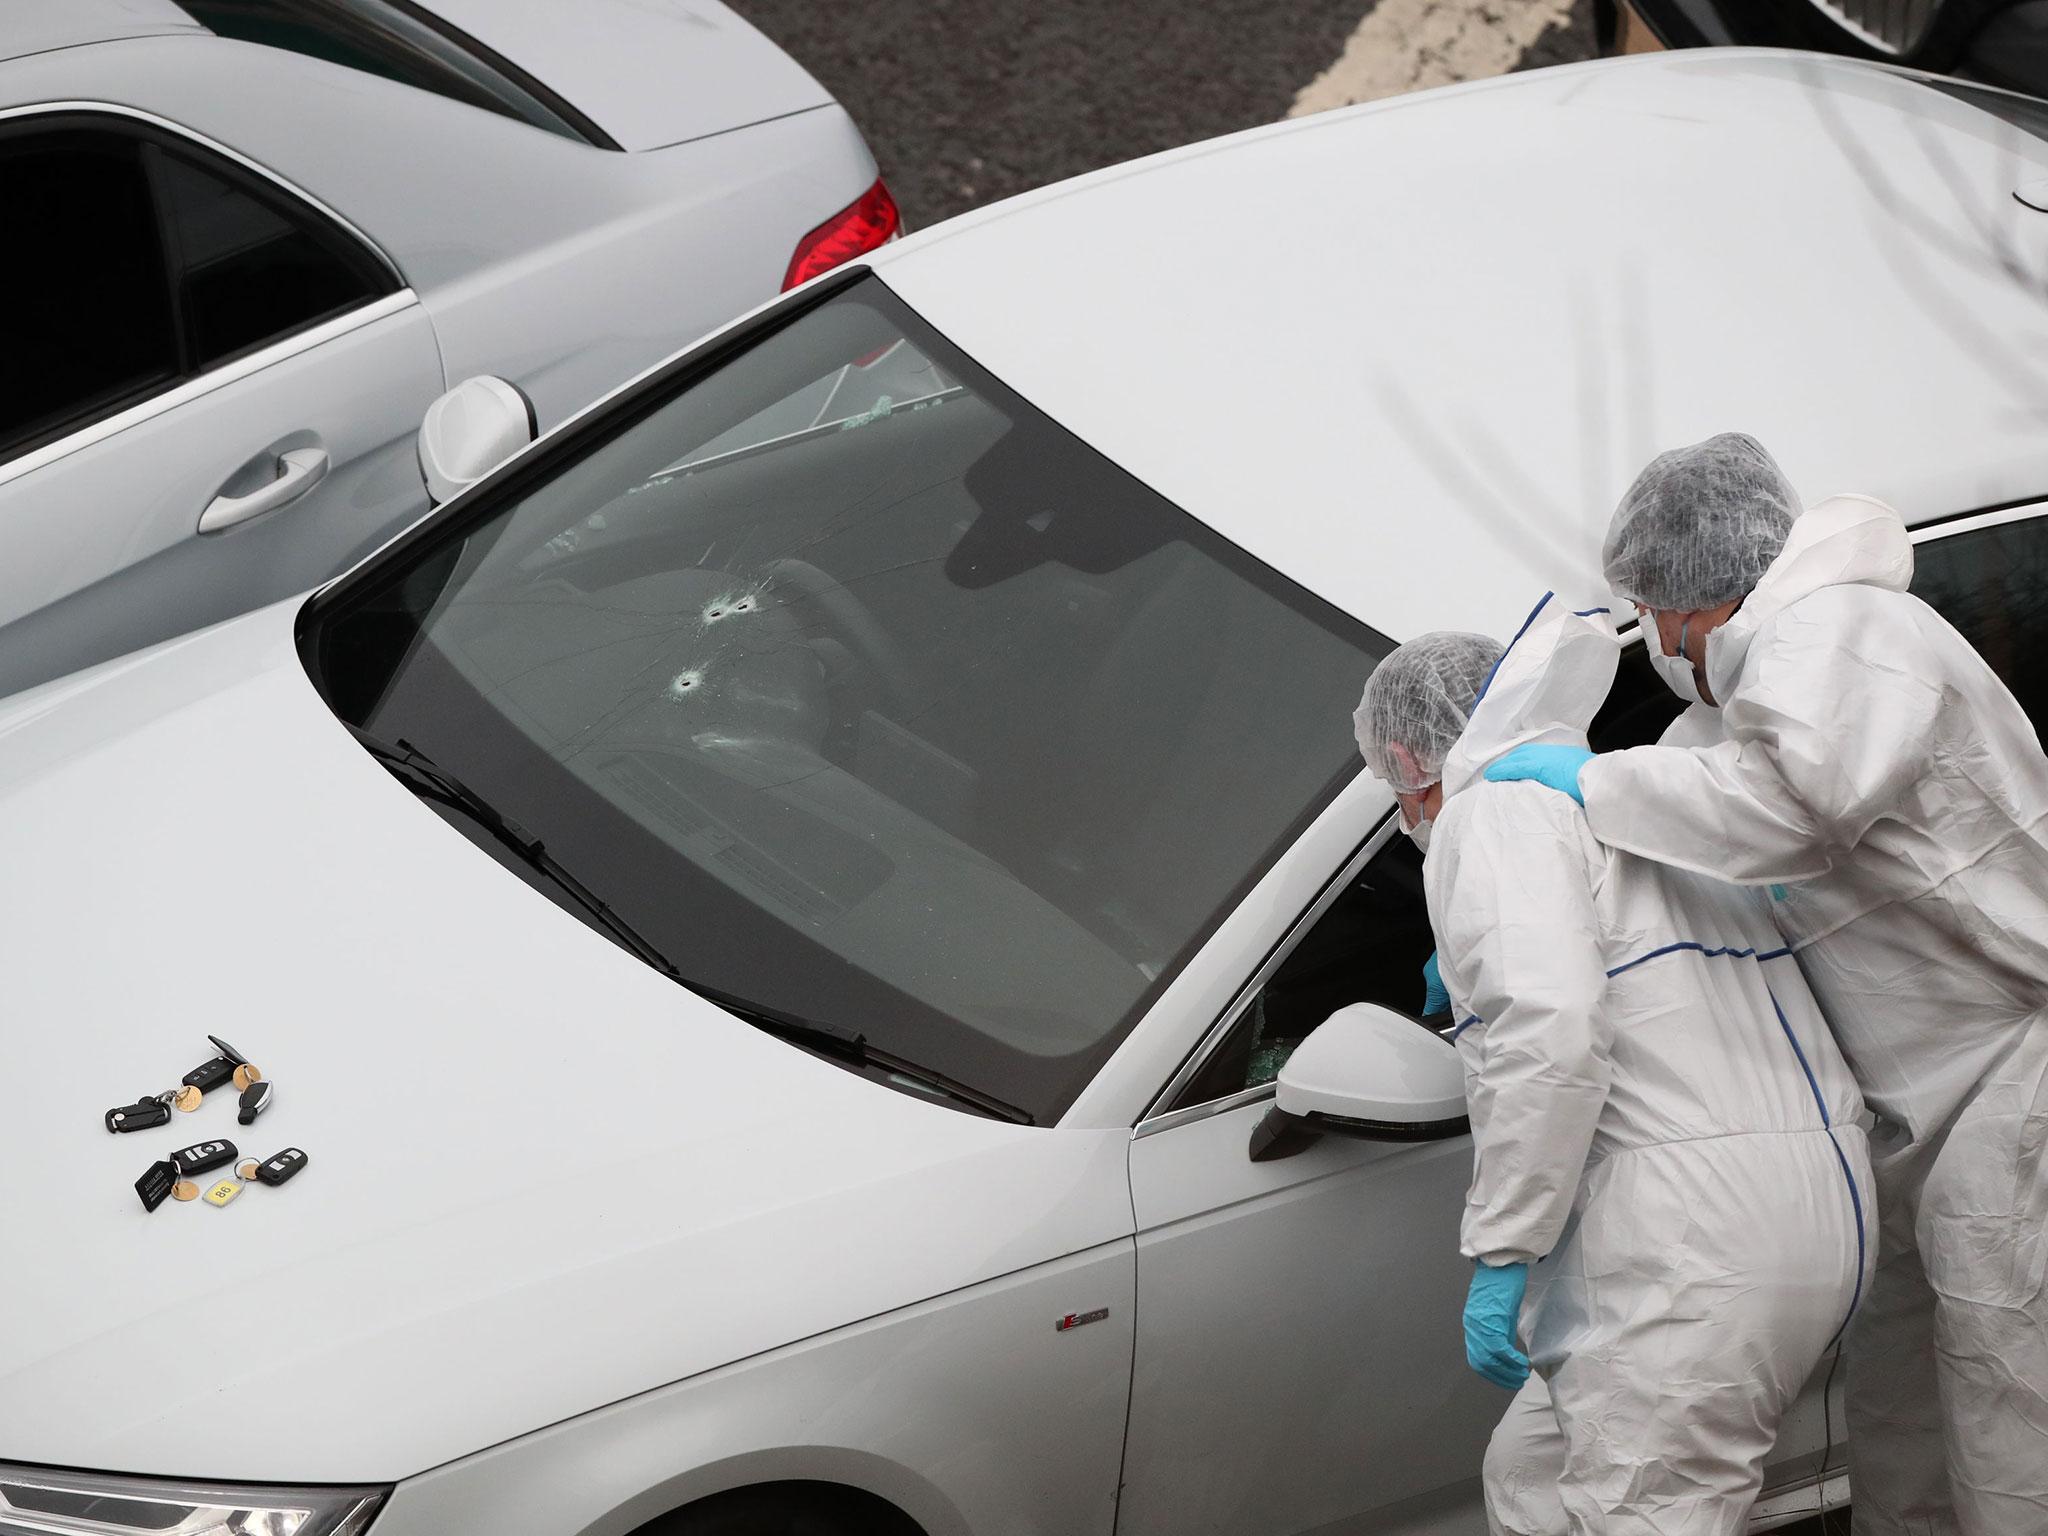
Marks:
<point>729,607</point>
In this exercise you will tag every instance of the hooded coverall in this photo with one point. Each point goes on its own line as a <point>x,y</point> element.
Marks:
<point>1663,1128</point>
<point>1874,771</point>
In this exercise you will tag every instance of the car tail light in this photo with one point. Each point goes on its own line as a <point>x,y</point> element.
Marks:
<point>868,221</point>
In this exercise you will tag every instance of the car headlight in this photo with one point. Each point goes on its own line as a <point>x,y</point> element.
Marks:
<point>38,1502</point>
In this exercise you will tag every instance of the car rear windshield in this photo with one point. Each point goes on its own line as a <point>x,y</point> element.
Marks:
<point>867,693</point>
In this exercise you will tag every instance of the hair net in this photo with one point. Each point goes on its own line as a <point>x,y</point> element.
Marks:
<point>1416,704</point>
<point>1700,525</point>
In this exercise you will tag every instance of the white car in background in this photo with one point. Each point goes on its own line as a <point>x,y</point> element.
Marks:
<point>249,241</point>
<point>775,916</point>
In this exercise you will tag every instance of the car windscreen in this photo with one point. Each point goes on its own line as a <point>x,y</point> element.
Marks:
<point>865,692</point>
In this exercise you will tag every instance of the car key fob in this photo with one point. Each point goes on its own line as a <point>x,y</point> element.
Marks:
<point>139,1116</point>
<point>255,1100</point>
<point>209,1075</point>
<point>202,1156</point>
<point>275,1170</point>
<point>155,1186</point>
<point>234,1057</point>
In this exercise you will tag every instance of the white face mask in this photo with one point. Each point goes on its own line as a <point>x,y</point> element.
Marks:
<point>1675,670</point>
<point>1417,834</point>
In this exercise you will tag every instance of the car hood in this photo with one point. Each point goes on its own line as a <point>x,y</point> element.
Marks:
<point>648,72</point>
<point>540,1178</point>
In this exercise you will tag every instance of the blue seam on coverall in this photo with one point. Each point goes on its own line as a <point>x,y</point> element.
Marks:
<point>1711,954</point>
<point>1812,1084</point>
<point>1540,603</point>
<point>1849,1178</point>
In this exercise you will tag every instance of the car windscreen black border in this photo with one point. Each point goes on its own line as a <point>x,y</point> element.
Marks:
<point>604,422</point>
<point>588,430</point>
<point>608,418</point>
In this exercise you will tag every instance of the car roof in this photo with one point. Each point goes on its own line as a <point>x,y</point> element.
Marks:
<point>37,26</point>
<point>1412,353</point>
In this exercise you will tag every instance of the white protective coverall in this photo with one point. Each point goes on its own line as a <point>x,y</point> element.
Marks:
<point>1875,771</point>
<point>1662,1127</point>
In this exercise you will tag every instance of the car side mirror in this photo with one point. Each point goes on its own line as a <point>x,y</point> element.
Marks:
<point>470,431</point>
<point>1365,1071</point>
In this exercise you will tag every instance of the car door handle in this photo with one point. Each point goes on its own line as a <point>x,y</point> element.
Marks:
<point>297,473</point>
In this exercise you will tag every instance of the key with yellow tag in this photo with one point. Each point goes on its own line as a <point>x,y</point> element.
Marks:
<point>222,1192</point>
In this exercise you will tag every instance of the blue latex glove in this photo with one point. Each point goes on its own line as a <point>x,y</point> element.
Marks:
<point>1553,767</point>
<point>1492,1310</point>
<point>1435,999</point>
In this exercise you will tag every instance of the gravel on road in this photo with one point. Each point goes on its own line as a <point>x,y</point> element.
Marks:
<point>965,101</point>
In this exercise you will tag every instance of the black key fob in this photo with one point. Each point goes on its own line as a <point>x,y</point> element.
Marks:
<point>234,1057</point>
<point>155,1186</point>
<point>203,1156</point>
<point>139,1116</point>
<point>255,1100</point>
<point>276,1170</point>
<point>210,1075</point>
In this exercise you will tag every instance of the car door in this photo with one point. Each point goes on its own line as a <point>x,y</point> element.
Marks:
<point>213,388</point>
<point>1299,1364</point>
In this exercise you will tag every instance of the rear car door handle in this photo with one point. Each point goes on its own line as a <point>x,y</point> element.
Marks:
<point>298,471</point>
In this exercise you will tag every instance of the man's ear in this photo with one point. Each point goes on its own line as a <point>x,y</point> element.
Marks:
<point>1411,770</point>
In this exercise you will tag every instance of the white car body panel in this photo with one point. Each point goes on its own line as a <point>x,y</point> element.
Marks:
<point>648,72</point>
<point>42,28</point>
<point>969,1414</point>
<point>557,266</point>
<point>1465,319</point>
<point>1289,1319</point>
<point>564,1303</point>
<point>470,1247</point>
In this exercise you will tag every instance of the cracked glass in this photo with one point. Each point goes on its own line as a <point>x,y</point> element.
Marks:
<point>867,693</point>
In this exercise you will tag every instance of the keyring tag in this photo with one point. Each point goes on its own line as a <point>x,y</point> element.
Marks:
<point>155,1186</point>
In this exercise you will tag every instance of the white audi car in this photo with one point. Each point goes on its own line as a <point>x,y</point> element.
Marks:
<point>774,918</point>
<point>249,241</point>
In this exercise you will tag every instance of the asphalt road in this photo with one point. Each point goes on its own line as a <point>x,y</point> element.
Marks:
<point>968,101</point>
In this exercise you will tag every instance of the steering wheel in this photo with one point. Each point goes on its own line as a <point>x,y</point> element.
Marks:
<point>852,622</point>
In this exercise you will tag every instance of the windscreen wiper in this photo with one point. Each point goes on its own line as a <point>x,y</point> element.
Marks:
<point>433,782</point>
<point>844,1045</point>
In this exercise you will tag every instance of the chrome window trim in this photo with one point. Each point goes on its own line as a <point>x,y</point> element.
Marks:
<point>200,385</point>
<point>2003,515</point>
<point>1193,1112</point>
<point>1155,1118</point>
